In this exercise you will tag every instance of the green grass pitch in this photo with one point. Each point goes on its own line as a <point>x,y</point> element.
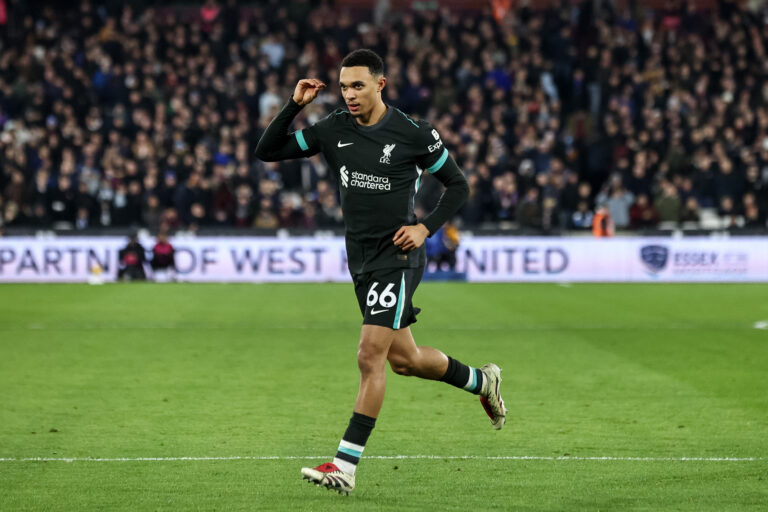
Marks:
<point>645,375</point>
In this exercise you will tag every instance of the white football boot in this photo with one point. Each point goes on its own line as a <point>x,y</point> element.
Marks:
<point>490,396</point>
<point>330,477</point>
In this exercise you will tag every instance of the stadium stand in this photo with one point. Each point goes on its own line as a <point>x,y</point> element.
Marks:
<point>118,116</point>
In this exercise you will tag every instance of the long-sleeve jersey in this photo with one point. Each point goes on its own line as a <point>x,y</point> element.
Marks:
<point>379,171</point>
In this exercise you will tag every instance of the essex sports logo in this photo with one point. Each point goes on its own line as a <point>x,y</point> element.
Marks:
<point>654,257</point>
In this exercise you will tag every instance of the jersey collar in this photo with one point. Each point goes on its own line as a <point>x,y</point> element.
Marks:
<point>378,125</point>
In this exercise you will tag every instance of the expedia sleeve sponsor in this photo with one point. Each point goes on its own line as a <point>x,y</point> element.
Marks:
<point>429,146</point>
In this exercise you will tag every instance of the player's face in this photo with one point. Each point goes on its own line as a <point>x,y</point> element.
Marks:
<point>361,90</point>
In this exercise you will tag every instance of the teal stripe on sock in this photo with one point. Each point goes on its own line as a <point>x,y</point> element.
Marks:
<point>478,381</point>
<point>471,385</point>
<point>351,452</point>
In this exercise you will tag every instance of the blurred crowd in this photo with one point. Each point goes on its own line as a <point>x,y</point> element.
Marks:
<point>112,116</point>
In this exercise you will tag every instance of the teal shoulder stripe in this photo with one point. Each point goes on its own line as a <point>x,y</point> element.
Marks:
<point>408,118</point>
<point>440,161</point>
<point>301,141</point>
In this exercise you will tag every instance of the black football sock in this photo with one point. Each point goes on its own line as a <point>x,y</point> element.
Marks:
<point>462,376</point>
<point>353,443</point>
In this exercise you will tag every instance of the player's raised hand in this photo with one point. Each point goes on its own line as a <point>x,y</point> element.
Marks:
<point>307,90</point>
<point>409,238</point>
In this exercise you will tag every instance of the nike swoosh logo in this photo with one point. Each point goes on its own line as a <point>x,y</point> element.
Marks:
<point>340,145</point>
<point>374,312</point>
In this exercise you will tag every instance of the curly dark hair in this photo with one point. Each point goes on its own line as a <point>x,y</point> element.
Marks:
<point>367,58</point>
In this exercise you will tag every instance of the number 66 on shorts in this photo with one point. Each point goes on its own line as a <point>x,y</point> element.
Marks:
<point>387,299</point>
<point>384,296</point>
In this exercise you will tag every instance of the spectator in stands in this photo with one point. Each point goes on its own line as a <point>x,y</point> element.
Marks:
<point>691,214</point>
<point>550,214</point>
<point>14,191</point>
<point>638,181</point>
<point>729,216</point>
<point>756,186</point>
<point>642,214</point>
<point>727,182</point>
<point>329,211</point>
<point>753,216</point>
<point>529,210</point>
<point>151,213</point>
<point>753,219</point>
<point>582,218</point>
<point>61,202</point>
<point>266,218</point>
<point>667,203</point>
<point>618,200</point>
<point>12,216</point>
<point>505,196</point>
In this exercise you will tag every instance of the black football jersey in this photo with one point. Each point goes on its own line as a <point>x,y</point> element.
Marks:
<point>378,169</point>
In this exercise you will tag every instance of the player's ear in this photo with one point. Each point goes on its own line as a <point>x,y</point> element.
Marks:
<point>381,83</point>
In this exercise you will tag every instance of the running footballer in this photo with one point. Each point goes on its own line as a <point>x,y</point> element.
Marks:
<point>378,155</point>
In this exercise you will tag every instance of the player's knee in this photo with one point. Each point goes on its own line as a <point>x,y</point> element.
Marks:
<point>368,361</point>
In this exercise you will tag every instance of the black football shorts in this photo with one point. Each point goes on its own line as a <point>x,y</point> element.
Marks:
<point>385,295</point>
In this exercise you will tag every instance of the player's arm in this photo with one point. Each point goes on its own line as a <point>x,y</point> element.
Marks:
<point>276,144</point>
<point>442,166</point>
<point>454,196</point>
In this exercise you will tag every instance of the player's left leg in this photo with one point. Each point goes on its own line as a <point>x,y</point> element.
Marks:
<point>406,358</point>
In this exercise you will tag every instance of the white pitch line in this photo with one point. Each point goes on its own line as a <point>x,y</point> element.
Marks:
<point>761,325</point>
<point>387,457</point>
<point>320,327</point>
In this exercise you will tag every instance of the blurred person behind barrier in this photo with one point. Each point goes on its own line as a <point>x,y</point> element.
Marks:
<point>163,259</point>
<point>131,261</point>
<point>442,246</point>
<point>602,225</point>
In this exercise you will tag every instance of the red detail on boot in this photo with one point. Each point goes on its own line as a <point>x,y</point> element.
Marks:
<point>487,407</point>
<point>328,467</point>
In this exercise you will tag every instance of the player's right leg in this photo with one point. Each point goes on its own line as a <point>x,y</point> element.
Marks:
<point>339,475</point>
<point>406,358</point>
